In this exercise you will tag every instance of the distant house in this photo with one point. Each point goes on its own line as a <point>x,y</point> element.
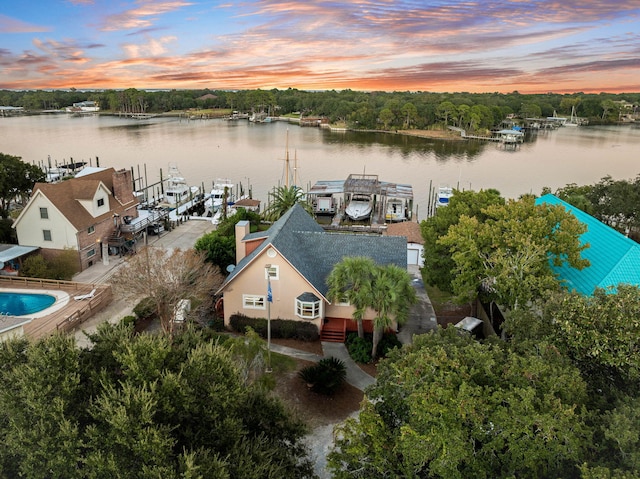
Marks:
<point>415,243</point>
<point>295,256</point>
<point>80,214</point>
<point>614,258</point>
<point>83,107</point>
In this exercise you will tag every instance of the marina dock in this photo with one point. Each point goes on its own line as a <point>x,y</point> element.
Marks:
<point>390,202</point>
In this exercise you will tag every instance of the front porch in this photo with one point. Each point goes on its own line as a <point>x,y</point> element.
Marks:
<point>334,330</point>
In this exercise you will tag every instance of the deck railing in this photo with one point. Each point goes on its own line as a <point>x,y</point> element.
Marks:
<point>40,283</point>
<point>72,314</point>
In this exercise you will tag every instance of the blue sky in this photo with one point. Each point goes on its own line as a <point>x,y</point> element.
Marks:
<point>532,46</point>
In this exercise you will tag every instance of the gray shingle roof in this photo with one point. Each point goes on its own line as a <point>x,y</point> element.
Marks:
<point>314,252</point>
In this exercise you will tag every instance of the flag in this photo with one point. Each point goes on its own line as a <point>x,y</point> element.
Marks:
<point>269,295</point>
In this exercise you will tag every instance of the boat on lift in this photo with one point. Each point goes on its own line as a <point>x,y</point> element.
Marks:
<point>359,207</point>
<point>444,194</point>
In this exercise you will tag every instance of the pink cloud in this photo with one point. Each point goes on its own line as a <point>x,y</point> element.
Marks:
<point>142,17</point>
<point>12,25</point>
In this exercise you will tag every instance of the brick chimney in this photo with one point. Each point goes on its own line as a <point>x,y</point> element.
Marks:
<point>123,186</point>
<point>243,228</point>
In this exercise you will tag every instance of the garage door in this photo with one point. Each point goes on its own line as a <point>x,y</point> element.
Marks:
<point>413,255</point>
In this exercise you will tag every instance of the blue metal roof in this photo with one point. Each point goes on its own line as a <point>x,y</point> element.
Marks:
<point>614,258</point>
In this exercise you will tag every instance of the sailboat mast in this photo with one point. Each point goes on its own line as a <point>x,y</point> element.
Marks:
<point>287,161</point>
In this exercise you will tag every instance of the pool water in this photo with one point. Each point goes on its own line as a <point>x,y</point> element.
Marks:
<point>20,304</point>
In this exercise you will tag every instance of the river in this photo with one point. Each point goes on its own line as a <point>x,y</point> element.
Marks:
<point>254,154</point>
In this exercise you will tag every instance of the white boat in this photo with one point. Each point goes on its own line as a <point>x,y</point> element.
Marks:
<point>395,210</point>
<point>444,193</point>
<point>324,205</point>
<point>217,196</point>
<point>359,208</point>
<point>177,191</point>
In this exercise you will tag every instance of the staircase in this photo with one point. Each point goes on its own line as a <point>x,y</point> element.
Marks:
<point>118,241</point>
<point>334,330</point>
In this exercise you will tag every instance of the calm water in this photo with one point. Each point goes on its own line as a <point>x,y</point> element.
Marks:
<point>245,152</point>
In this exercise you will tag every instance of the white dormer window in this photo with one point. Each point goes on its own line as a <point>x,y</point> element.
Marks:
<point>272,272</point>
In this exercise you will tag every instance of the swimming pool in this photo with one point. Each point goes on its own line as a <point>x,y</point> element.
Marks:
<point>24,302</point>
<point>21,304</point>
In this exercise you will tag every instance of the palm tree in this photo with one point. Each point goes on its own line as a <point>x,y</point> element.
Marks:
<point>349,280</point>
<point>391,295</point>
<point>282,199</point>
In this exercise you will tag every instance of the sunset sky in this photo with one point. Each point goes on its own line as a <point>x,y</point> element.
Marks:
<point>532,46</point>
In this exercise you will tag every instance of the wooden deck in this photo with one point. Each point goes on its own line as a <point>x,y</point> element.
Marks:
<point>72,314</point>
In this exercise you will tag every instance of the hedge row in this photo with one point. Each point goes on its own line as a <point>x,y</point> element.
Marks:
<point>280,328</point>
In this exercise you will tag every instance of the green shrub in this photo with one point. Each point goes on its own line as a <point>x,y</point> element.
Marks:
<point>326,376</point>
<point>145,308</point>
<point>129,320</point>
<point>387,343</point>
<point>216,324</point>
<point>280,328</point>
<point>359,348</point>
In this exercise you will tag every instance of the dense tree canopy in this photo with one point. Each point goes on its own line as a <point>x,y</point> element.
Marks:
<point>614,202</point>
<point>139,407</point>
<point>600,334</point>
<point>372,110</point>
<point>507,257</point>
<point>439,267</point>
<point>451,407</point>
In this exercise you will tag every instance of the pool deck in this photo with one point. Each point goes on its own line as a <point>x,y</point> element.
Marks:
<point>66,312</point>
<point>83,316</point>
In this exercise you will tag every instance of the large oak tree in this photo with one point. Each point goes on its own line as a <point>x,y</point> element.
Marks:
<point>451,407</point>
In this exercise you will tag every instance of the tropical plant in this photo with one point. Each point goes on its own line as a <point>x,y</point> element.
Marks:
<point>385,289</point>
<point>326,376</point>
<point>282,199</point>
<point>348,281</point>
<point>391,296</point>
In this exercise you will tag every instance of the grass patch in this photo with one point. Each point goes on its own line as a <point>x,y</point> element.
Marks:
<point>281,363</point>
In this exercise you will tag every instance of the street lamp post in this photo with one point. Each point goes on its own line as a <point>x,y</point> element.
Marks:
<point>269,300</point>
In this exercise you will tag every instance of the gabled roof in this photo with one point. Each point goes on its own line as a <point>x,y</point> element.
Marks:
<point>66,194</point>
<point>314,252</point>
<point>614,258</point>
<point>408,229</point>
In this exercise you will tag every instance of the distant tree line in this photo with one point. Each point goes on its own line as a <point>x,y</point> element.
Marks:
<point>355,109</point>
